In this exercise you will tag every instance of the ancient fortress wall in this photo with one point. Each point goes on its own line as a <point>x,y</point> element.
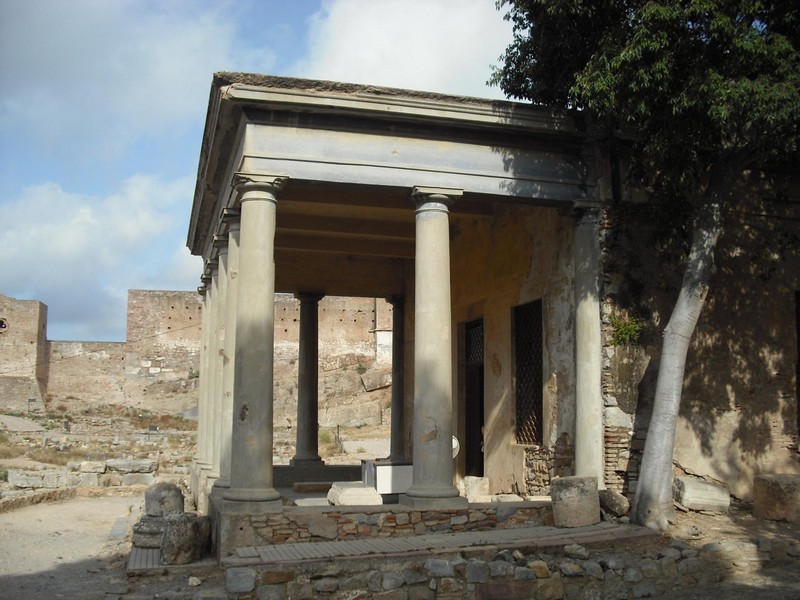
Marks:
<point>23,341</point>
<point>157,367</point>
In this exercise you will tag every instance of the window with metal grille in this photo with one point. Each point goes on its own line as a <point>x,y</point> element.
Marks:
<point>528,365</point>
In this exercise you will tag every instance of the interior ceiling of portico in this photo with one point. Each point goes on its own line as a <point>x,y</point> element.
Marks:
<point>349,240</point>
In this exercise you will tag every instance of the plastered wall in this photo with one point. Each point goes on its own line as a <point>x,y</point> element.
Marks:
<point>520,255</point>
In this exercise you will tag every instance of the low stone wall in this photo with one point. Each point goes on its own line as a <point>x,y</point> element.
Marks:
<point>563,572</point>
<point>108,473</point>
<point>320,524</point>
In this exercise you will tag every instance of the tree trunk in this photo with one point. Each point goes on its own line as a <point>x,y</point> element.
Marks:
<point>652,506</point>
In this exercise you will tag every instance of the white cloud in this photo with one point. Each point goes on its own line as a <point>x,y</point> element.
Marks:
<point>96,76</point>
<point>80,254</point>
<point>432,45</point>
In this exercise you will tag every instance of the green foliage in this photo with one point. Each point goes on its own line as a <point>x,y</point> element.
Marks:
<point>325,437</point>
<point>626,331</point>
<point>704,83</point>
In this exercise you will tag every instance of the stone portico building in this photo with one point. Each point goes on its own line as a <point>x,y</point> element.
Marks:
<point>482,222</point>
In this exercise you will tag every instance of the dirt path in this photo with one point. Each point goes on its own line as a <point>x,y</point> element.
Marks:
<point>69,549</point>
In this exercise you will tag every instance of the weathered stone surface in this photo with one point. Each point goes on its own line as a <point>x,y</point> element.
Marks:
<point>25,479</point>
<point>476,489</point>
<point>92,466</point>
<point>539,568</point>
<point>614,416</point>
<point>148,531</point>
<point>439,567</point>
<point>185,539</point>
<point>571,569</point>
<point>777,497</point>
<point>132,465</point>
<point>138,479</point>
<point>576,502</point>
<point>240,580</point>
<point>353,493</point>
<point>614,503</point>
<point>162,499</point>
<point>696,494</point>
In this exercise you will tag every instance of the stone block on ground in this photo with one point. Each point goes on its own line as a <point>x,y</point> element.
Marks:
<point>576,502</point>
<point>777,497</point>
<point>186,538</point>
<point>476,489</point>
<point>121,465</point>
<point>614,503</point>
<point>148,531</point>
<point>353,493</point>
<point>163,498</point>
<point>696,494</point>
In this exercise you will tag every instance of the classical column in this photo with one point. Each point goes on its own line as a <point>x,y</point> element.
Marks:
<point>307,447</point>
<point>231,219</point>
<point>220,308</point>
<point>204,417</point>
<point>433,470</point>
<point>251,488</point>
<point>197,463</point>
<point>397,450</point>
<point>588,396</point>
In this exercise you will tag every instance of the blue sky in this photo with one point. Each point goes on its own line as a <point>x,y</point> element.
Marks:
<point>102,107</point>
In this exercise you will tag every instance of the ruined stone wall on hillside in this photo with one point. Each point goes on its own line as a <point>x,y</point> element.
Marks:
<point>157,367</point>
<point>354,370</point>
<point>23,335</point>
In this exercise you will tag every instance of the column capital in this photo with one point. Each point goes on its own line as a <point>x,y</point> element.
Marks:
<point>257,187</point>
<point>434,198</point>
<point>398,300</point>
<point>309,296</point>
<point>586,213</point>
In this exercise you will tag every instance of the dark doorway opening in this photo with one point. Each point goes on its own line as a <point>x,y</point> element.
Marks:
<point>473,374</point>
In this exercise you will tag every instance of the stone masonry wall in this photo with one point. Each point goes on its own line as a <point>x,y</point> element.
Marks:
<point>23,335</point>
<point>564,570</point>
<point>307,525</point>
<point>739,410</point>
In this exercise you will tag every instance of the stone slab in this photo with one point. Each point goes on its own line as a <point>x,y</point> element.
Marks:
<point>696,494</point>
<point>353,493</point>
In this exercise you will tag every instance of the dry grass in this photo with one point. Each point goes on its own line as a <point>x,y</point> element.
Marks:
<point>146,420</point>
<point>10,451</point>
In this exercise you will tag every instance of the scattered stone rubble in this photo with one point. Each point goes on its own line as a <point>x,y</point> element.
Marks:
<point>182,537</point>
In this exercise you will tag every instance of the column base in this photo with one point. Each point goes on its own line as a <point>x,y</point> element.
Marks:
<point>433,498</point>
<point>314,461</point>
<point>251,501</point>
